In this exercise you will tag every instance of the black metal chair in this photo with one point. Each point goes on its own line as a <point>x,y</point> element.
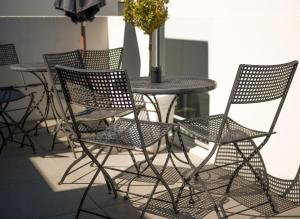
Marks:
<point>8,56</point>
<point>253,84</point>
<point>83,59</point>
<point>102,59</point>
<point>8,122</point>
<point>110,90</point>
<point>71,59</point>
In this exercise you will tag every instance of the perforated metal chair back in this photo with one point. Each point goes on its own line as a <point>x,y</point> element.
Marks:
<point>71,59</point>
<point>102,59</point>
<point>8,54</point>
<point>261,83</point>
<point>101,89</point>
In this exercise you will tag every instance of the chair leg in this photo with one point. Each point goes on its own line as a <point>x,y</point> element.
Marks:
<point>1,135</point>
<point>97,155</point>
<point>160,178</point>
<point>107,177</point>
<point>67,172</point>
<point>134,161</point>
<point>188,160</point>
<point>18,125</point>
<point>109,186</point>
<point>219,209</point>
<point>83,155</point>
<point>72,146</point>
<point>53,141</point>
<point>86,192</point>
<point>246,161</point>
<point>149,199</point>
<point>23,141</point>
<point>58,128</point>
<point>23,121</point>
<point>137,167</point>
<point>6,123</point>
<point>3,141</point>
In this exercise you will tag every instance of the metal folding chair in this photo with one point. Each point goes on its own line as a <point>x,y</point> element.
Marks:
<point>8,122</point>
<point>83,59</point>
<point>253,84</point>
<point>8,56</point>
<point>72,59</point>
<point>110,90</point>
<point>102,59</point>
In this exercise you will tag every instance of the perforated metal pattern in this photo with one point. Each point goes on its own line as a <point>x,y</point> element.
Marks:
<point>228,154</point>
<point>124,134</point>
<point>207,128</point>
<point>70,59</point>
<point>202,207</point>
<point>186,85</point>
<point>94,114</point>
<point>289,189</point>
<point>259,83</point>
<point>102,59</point>
<point>99,89</point>
<point>8,54</point>
<point>170,174</point>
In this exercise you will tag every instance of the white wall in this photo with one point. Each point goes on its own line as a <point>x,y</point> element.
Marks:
<point>250,32</point>
<point>34,37</point>
<point>135,43</point>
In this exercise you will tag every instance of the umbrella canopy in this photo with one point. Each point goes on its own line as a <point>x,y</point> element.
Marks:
<point>80,11</point>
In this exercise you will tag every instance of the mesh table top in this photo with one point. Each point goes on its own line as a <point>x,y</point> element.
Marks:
<point>170,85</point>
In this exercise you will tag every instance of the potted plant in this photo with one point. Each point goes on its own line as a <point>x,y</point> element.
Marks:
<point>148,15</point>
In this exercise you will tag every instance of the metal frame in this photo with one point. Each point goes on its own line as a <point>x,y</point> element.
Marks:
<point>9,95</point>
<point>83,59</point>
<point>110,89</point>
<point>253,84</point>
<point>9,56</point>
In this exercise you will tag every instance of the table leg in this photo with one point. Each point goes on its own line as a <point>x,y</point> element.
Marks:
<point>188,160</point>
<point>45,112</point>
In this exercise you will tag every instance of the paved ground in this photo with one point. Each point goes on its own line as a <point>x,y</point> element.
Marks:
<point>29,188</point>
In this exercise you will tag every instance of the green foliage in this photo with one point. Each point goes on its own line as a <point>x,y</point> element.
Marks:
<point>146,14</point>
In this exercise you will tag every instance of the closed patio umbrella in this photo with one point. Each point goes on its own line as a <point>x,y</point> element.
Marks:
<point>80,11</point>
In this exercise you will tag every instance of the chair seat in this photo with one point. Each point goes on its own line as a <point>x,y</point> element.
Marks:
<point>124,134</point>
<point>8,94</point>
<point>93,114</point>
<point>207,128</point>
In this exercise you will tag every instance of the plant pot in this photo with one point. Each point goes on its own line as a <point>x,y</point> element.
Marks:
<point>155,74</point>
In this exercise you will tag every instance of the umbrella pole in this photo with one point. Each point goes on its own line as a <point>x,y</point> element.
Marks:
<point>83,36</point>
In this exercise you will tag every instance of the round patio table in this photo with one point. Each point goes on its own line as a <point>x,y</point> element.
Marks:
<point>37,69</point>
<point>171,86</point>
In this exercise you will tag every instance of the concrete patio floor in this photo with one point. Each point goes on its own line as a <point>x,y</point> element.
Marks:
<point>29,188</point>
